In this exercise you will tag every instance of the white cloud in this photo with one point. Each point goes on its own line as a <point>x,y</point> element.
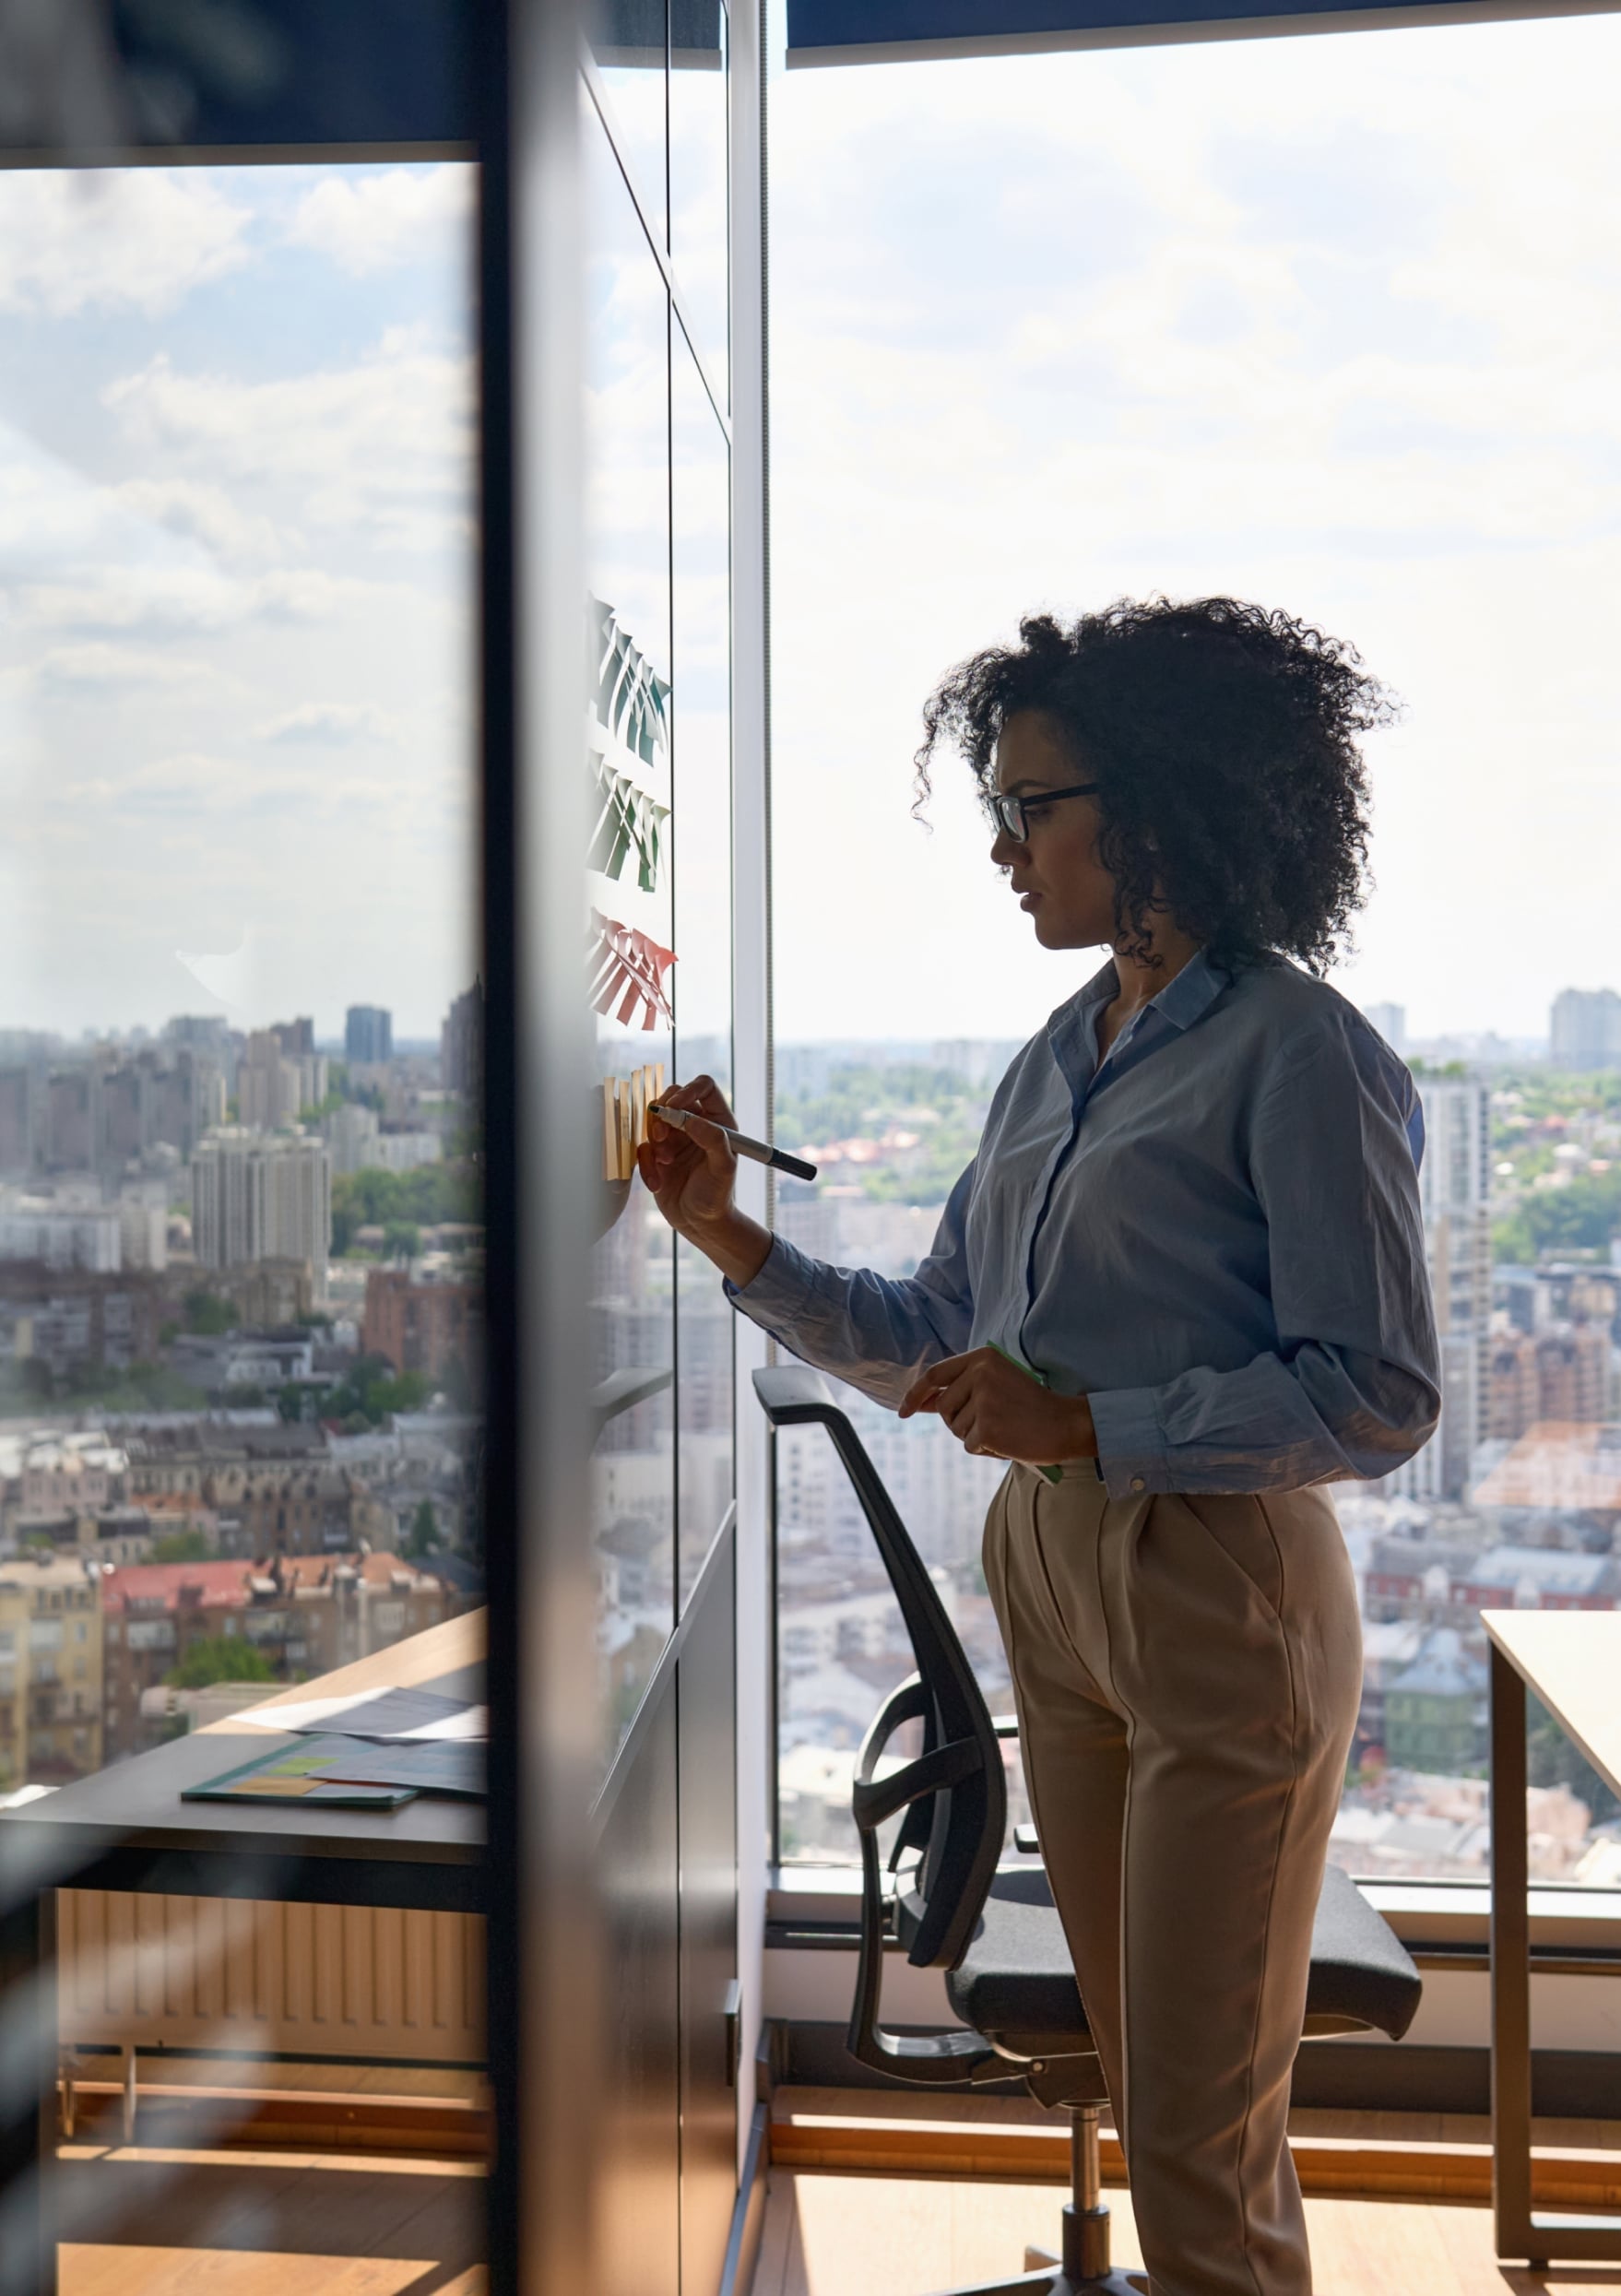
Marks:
<point>382,448</point>
<point>330,723</point>
<point>142,240</point>
<point>202,513</point>
<point>1345,339</point>
<point>372,223</point>
<point>101,668</point>
<point>165,601</point>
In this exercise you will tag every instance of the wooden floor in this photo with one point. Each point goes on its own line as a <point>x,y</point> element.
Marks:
<point>150,2223</point>
<point>828,2235</point>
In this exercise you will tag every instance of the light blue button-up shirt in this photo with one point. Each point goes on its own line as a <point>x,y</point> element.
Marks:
<point>1214,1235</point>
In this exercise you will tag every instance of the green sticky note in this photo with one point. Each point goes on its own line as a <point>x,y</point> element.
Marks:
<point>1053,1475</point>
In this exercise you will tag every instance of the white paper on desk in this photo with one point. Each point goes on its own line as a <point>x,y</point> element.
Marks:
<point>302,1712</point>
<point>472,1723</point>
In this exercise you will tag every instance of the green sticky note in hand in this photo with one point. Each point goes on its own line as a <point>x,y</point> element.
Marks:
<point>1053,1475</point>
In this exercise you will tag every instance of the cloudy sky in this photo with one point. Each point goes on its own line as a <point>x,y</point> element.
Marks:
<point>1333,323</point>
<point>235,574</point>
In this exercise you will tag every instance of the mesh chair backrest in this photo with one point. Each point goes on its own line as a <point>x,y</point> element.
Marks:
<point>960,1827</point>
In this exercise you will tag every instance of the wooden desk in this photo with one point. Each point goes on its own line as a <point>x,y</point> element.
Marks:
<point>1572,1660</point>
<point>127,1828</point>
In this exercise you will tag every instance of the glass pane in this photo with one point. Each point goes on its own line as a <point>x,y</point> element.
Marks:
<point>699,87</point>
<point>630,40</point>
<point>240,1081</point>
<point>630,922</point>
<point>240,1132</point>
<point>701,516</point>
<point>1322,358</point>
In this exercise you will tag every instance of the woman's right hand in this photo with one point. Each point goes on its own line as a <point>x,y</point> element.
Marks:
<point>691,1175</point>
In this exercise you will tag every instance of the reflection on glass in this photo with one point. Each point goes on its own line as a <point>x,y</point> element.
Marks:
<point>630,930</point>
<point>630,41</point>
<point>241,1073</point>
<point>699,88</point>
<point>700,484</point>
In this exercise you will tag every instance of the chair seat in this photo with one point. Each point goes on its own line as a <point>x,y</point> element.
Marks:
<point>1017,1979</point>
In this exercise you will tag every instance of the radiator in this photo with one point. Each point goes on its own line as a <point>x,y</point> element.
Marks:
<point>143,1972</point>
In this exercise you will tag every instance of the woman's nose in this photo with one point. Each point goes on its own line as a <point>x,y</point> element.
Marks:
<point>1005,850</point>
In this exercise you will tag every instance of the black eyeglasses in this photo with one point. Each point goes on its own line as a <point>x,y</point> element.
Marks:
<point>1013,814</point>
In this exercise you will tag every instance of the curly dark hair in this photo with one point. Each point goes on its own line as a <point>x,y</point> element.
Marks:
<point>1224,738</point>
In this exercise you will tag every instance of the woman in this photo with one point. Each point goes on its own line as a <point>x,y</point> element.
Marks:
<point>1193,1214</point>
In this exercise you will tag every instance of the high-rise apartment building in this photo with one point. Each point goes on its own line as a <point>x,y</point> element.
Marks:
<point>1584,1029</point>
<point>297,1038</point>
<point>275,1084</point>
<point>367,1035</point>
<point>461,1046</point>
<point>256,1198</point>
<point>1454,1191</point>
<point>353,1133</point>
<point>1390,1020</point>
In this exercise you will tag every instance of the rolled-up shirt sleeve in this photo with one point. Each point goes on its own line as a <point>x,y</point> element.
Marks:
<point>876,1332</point>
<point>1353,1387</point>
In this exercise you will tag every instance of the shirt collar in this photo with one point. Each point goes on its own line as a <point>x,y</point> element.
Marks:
<point>1182,1000</point>
<point>1072,1030</point>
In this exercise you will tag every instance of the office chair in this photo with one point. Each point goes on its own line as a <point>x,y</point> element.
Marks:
<point>996,1932</point>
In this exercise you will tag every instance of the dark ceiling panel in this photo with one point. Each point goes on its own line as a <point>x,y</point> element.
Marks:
<point>890,24</point>
<point>214,75</point>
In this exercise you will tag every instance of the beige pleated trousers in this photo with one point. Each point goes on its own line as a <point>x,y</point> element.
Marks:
<point>1187,1671</point>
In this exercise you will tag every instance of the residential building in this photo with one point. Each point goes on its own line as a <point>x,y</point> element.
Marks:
<point>244,1358</point>
<point>424,1327</point>
<point>407,1151</point>
<point>297,1038</point>
<point>1435,1710</point>
<point>281,1076</point>
<point>351,1133</point>
<point>367,1035</point>
<point>255,1198</point>
<point>304,1618</point>
<point>1584,1029</point>
<point>72,1120</point>
<point>1563,1372</point>
<point>143,1225</point>
<point>461,1046</point>
<point>51,1675</point>
<point>72,1474</point>
<point>67,1319</point>
<point>37,1228</point>
<point>22,1119</point>
<point>1455,1192</point>
<point>1569,1470</point>
<point>1387,1650</point>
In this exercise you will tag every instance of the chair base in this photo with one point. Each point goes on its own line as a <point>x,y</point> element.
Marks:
<point>1083,2268</point>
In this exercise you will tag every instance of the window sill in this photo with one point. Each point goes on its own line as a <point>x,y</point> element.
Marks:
<point>1442,1923</point>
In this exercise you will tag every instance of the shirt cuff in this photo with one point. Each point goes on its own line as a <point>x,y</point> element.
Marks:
<point>1132,1456</point>
<point>777,1291</point>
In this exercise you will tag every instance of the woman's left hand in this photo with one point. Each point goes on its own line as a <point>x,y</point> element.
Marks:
<point>996,1410</point>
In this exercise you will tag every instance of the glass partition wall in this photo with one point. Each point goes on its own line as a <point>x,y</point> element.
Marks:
<point>1335,334</point>
<point>294,999</point>
<point>658,879</point>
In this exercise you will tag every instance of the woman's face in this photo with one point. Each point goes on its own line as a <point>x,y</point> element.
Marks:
<point>1057,874</point>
